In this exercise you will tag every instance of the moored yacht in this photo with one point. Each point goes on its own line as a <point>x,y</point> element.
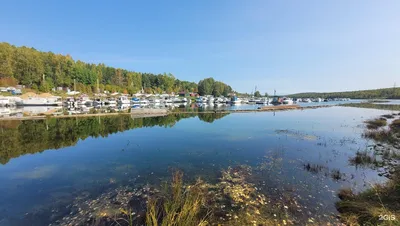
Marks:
<point>262,101</point>
<point>4,101</point>
<point>40,101</point>
<point>98,102</point>
<point>84,100</point>
<point>287,101</point>
<point>235,100</point>
<point>111,101</point>
<point>123,100</point>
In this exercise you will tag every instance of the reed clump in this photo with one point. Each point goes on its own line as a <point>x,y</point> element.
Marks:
<point>177,205</point>
<point>231,201</point>
<point>378,205</point>
<point>376,123</point>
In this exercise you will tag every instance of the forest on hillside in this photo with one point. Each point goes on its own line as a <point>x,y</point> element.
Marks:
<point>43,71</point>
<point>386,93</point>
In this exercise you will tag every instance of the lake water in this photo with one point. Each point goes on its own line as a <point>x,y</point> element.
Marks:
<point>46,163</point>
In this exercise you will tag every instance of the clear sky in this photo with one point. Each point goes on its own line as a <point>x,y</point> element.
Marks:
<point>291,46</point>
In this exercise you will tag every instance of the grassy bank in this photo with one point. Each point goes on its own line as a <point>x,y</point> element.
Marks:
<point>392,107</point>
<point>380,204</point>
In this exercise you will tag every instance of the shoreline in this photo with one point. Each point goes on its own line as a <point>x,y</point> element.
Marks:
<point>163,112</point>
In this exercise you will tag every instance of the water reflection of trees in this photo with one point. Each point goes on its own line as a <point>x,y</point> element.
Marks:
<point>211,117</point>
<point>31,136</point>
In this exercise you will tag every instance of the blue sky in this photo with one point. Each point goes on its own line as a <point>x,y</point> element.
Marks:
<point>290,46</point>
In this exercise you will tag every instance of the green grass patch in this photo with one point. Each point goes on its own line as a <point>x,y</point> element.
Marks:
<point>376,123</point>
<point>378,205</point>
<point>395,126</point>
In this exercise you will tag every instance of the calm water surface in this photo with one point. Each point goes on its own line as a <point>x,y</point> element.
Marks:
<point>48,162</point>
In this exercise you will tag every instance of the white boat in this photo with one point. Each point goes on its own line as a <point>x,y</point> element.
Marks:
<point>210,100</point>
<point>235,100</point>
<point>4,101</point>
<point>144,102</point>
<point>98,102</point>
<point>111,101</point>
<point>287,101</point>
<point>135,100</point>
<point>36,109</point>
<point>40,101</point>
<point>123,100</point>
<point>54,101</point>
<point>123,107</point>
<point>262,101</point>
<point>176,100</point>
<point>5,111</point>
<point>253,101</point>
<point>84,100</point>
<point>306,100</point>
<point>70,101</point>
<point>154,101</point>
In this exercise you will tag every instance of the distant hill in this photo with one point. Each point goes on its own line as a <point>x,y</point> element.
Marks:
<point>385,93</point>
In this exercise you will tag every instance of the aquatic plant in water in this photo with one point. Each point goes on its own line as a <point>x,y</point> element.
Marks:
<point>380,204</point>
<point>376,123</point>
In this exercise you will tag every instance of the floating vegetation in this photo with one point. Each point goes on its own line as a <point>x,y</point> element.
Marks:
<point>364,159</point>
<point>384,136</point>
<point>296,134</point>
<point>314,168</point>
<point>337,175</point>
<point>120,206</point>
<point>378,101</point>
<point>334,174</point>
<point>376,123</point>
<point>234,200</point>
<point>395,126</point>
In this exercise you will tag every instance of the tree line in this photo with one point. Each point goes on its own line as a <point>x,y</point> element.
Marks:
<point>385,93</point>
<point>45,70</point>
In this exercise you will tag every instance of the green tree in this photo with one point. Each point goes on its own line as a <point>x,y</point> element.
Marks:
<point>257,94</point>
<point>206,86</point>
<point>6,60</point>
<point>218,89</point>
<point>167,82</point>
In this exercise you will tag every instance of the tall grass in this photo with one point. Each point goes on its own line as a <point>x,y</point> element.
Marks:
<point>370,206</point>
<point>177,205</point>
<point>376,123</point>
